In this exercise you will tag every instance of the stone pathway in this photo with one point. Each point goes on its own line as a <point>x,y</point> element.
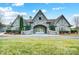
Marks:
<point>38,35</point>
<point>71,37</point>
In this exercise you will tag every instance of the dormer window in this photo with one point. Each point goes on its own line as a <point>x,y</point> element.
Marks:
<point>39,18</point>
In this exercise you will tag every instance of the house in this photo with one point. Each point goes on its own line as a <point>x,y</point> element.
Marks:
<point>2,27</point>
<point>40,24</point>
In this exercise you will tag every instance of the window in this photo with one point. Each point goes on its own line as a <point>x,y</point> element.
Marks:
<point>39,18</point>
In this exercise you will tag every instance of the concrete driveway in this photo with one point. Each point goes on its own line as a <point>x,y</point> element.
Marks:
<point>38,35</point>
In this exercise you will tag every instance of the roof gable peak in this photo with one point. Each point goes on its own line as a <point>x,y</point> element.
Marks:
<point>62,16</point>
<point>39,12</point>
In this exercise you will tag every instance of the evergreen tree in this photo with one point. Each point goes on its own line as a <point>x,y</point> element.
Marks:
<point>21,24</point>
<point>30,17</point>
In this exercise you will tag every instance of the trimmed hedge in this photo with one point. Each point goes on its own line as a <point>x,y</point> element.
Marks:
<point>74,31</point>
<point>13,31</point>
<point>61,32</point>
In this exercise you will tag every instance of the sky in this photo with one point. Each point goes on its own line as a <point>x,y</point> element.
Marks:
<point>9,11</point>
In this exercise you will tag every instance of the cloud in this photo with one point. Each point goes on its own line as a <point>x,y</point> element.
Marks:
<point>34,11</point>
<point>72,19</point>
<point>76,15</point>
<point>58,8</point>
<point>8,11</point>
<point>17,4</point>
<point>8,14</point>
<point>43,10</point>
<point>46,3</point>
<point>4,10</point>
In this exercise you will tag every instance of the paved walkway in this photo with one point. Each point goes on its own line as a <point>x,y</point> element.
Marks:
<point>38,35</point>
<point>33,35</point>
<point>71,37</point>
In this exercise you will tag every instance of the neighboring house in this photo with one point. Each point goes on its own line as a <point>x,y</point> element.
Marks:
<point>2,27</point>
<point>40,24</point>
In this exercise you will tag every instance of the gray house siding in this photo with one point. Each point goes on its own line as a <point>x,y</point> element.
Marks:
<point>2,27</point>
<point>62,24</point>
<point>41,24</point>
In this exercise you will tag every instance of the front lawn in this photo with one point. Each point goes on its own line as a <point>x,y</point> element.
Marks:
<point>39,46</point>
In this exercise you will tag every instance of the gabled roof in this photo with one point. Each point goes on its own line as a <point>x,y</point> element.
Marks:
<point>59,18</point>
<point>51,21</point>
<point>48,21</point>
<point>28,21</point>
<point>38,13</point>
<point>2,25</point>
<point>15,19</point>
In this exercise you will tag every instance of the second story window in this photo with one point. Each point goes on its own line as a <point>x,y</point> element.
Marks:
<point>39,18</point>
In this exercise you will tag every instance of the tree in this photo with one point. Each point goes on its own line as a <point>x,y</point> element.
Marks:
<point>30,17</point>
<point>1,18</point>
<point>76,21</point>
<point>21,24</point>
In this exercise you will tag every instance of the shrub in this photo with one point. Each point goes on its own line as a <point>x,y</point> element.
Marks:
<point>52,27</point>
<point>13,31</point>
<point>74,31</point>
<point>61,32</point>
<point>27,27</point>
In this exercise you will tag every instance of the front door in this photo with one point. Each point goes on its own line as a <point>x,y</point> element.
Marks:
<point>40,29</point>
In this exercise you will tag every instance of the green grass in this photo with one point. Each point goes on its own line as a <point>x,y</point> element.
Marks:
<point>39,46</point>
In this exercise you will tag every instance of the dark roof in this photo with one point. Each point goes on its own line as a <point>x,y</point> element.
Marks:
<point>2,25</point>
<point>28,21</point>
<point>51,21</point>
